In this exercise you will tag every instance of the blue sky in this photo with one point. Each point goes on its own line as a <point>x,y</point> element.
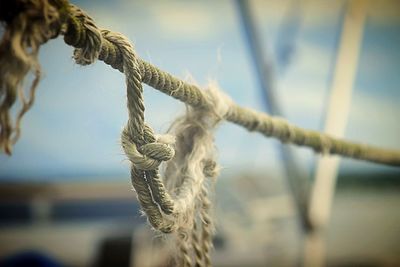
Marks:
<point>73,130</point>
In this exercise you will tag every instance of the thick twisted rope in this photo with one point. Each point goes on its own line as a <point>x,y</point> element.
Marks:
<point>198,251</point>
<point>146,154</point>
<point>184,259</point>
<point>137,139</point>
<point>253,120</point>
<point>81,34</point>
<point>164,213</point>
<point>207,226</point>
<point>177,202</point>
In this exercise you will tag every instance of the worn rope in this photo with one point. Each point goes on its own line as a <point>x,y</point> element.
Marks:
<point>207,226</point>
<point>36,22</point>
<point>80,25</point>
<point>176,201</point>
<point>184,258</point>
<point>165,213</point>
<point>253,120</point>
<point>269,126</point>
<point>198,251</point>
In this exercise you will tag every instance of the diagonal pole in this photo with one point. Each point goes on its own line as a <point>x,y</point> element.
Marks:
<point>336,120</point>
<point>298,184</point>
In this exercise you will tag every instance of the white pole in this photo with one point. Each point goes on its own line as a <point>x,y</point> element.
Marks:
<point>335,124</point>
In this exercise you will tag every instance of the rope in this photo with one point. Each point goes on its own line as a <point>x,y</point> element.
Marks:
<point>90,42</point>
<point>19,49</point>
<point>175,202</point>
<point>253,120</point>
<point>207,227</point>
<point>267,125</point>
<point>183,259</point>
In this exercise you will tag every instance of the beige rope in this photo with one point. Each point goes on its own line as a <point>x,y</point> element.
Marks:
<point>184,259</point>
<point>261,122</point>
<point>19,48</point>
<point>252,120</point>
<point>173,203</point>
<point>207,227</point>
<point>197,249</point>
<point>83,34</point>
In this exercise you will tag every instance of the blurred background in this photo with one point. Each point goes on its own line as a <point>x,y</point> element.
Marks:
<point>65,193</point>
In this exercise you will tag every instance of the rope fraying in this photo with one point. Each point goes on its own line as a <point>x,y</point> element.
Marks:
<point>178,201</point>
<point>27,26</point>
<point>86,39</point>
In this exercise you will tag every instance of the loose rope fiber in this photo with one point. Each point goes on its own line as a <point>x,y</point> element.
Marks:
<point>178,201</point>
<point>28,25</point>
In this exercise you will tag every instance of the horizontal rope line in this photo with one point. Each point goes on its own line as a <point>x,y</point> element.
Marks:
<point>268,125</point>
<point>256,121</point>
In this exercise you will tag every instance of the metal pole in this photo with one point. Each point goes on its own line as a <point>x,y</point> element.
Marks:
<point>298,184</point>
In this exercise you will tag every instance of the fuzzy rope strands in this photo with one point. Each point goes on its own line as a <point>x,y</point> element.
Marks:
<point>188,177</point>
<point>178,203</point>
<point>80,31</point>
<point>29,24</point>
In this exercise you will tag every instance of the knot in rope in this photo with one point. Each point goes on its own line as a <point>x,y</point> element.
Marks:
<point>148,156</point>
<point>116,50</point>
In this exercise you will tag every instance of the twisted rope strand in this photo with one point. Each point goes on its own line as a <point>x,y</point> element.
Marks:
<point>268,125</point>
<point>319,142</point>
<point>186,201</point>
<point>184,259</point>
<point>207,227</point>
<point>138,139</point>
<point>83,34</point>
<point>257,121</point>
<point>198,252</point>
<point>250,119</point>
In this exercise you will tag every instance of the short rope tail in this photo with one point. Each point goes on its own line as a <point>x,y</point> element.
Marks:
<point>207,231</point>
<point>187,173</point>
<point>196,243</point>
<point>184,258</point>
<point>211,171</point>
